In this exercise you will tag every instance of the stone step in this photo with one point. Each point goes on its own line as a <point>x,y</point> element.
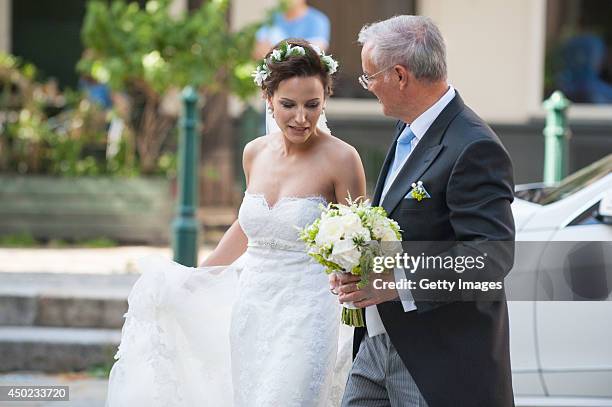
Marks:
<point>64,300</point>
<point>51,349</point>
<point>55,311</point>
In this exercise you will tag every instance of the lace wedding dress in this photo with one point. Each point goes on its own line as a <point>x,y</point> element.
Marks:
<point>261,332</point>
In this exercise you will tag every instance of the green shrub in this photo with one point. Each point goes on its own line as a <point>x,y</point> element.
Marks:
<point>18,240</point>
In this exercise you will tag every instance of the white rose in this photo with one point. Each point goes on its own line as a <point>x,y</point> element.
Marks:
<point>378,227</point>
<point>389,235</point>
<point>391,248</point>
<point>330,230</point>
<point>363,233</point>
<point>345,254</point>
<point>352,225</point>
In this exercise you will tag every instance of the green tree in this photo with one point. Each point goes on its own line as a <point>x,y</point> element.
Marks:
<point>149,55</point>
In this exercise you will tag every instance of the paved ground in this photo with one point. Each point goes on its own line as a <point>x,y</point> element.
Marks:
<point>104,261</point>
<point>85,390</point>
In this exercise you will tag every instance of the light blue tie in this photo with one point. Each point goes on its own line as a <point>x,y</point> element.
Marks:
<point>402,149</point>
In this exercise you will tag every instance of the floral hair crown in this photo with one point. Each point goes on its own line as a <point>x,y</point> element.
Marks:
<point>284,51</point>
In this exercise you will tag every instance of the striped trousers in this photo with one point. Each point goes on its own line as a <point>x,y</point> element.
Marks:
<point>379,378</point>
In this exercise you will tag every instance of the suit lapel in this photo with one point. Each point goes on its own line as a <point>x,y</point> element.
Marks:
<point>382,176</point>
<point>424,154</point>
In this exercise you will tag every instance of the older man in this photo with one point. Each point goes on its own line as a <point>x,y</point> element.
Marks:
<point>414,351</point>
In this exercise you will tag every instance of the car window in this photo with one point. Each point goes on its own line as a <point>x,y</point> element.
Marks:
<point>587,217</point>
<point>570,184</point>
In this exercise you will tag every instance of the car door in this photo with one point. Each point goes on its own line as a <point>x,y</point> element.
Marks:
<point>574,338</point>
<point>526,371</point>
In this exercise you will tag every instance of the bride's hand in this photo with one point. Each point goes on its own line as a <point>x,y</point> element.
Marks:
<point>368,295</point>
<point>334,283</point>
<point>346,283</point>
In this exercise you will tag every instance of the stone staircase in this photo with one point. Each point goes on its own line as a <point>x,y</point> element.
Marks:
<point>53,322</point>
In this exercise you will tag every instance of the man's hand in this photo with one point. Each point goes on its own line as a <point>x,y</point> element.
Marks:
<point>346,286</point>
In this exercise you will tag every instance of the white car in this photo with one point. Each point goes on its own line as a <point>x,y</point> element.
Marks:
<point>562,350</point>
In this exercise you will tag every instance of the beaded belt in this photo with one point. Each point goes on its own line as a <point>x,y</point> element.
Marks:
<point>278,245</point>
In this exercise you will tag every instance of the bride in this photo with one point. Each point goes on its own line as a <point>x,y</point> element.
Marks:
<point>262,331</point>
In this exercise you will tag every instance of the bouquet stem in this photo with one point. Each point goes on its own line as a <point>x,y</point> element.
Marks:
<point>353,317</point>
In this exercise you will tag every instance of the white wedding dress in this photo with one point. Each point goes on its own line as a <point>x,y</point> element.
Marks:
<point>262,332</point>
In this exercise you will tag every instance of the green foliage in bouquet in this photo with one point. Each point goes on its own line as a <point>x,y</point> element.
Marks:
<point>346,239</point>
<point>150,54</point>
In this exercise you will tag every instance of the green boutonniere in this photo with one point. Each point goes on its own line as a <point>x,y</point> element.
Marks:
<point>418,192</point>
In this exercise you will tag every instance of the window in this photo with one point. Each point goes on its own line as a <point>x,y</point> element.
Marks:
<point>346,18</point>
<point>588,217</point>
<point>48,34</point>
<point>569,185</point>
<point>579,50</point>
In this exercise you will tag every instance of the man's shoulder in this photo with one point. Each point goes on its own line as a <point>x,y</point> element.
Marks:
<point>468,138</point>
<point>468,127</point>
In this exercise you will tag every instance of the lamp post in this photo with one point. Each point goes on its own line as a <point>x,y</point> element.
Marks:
<point>556,136</point>
<point>185,225</point>
<point>249,128</point>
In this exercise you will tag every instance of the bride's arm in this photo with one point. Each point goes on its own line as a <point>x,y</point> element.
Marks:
<point>234,242</point>
<point>231,246</point>
<point>350,177</point>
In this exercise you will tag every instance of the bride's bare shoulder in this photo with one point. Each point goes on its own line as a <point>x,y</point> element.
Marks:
<point>251,150</point>
<point>343,163</point>
<point>255,146</point>
<point>340,150</point>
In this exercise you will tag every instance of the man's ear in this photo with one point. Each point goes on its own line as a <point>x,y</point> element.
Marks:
<point>403,75</point>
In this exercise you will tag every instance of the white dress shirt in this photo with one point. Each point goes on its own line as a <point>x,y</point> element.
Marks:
<point>419,127</point>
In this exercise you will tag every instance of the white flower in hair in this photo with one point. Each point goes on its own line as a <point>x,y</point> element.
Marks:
<point>260,74</point>
<point>317,49</point>
<point>296,51</point>
<point>277,55</point>
<point>331,63</point>
<point>285,51</point>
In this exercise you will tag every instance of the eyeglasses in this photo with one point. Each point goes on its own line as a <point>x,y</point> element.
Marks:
<point>364,80</point>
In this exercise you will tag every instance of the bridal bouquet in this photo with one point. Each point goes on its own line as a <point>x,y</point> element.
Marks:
<point>346,239</point>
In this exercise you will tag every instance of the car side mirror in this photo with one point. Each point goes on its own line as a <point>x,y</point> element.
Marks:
<point>604,212</point>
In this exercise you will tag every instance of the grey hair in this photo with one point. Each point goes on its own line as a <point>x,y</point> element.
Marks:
<point>411,41</point>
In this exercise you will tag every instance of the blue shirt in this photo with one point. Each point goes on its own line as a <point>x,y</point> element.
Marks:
<point>313,26</point>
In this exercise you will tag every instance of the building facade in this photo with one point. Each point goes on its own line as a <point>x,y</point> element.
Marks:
<point>499,57</point>
<point>497,53</point>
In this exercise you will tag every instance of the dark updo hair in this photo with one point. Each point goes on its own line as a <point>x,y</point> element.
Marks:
<point>292,66</point>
